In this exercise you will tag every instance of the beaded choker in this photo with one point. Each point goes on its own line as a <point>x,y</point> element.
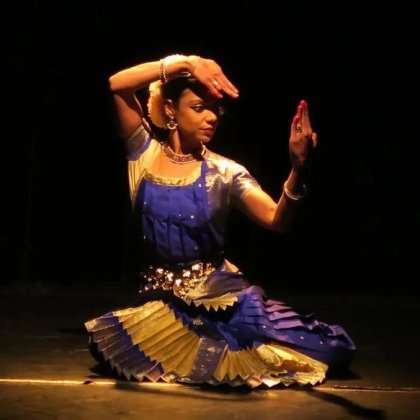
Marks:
<point>181,158</point>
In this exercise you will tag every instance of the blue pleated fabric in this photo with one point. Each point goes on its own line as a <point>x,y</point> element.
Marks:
<point>176,222</point>
<point>273,319</point>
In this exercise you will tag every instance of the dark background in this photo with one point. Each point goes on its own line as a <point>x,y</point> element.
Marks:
<point>64,188</point>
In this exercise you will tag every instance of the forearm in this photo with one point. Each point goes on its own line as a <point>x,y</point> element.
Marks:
<point>140,76</point>
<point>290,202</point>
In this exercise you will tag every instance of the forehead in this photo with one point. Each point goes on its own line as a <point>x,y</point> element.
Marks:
<point>198,95</point>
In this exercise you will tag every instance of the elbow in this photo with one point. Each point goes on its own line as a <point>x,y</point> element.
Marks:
<point>112,84</point>
<point>280,228</point>
<point>115,84</point>
<point>280,225</point>
<point>277,223</point>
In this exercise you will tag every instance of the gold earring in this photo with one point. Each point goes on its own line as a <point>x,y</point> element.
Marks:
<point>171,124</point>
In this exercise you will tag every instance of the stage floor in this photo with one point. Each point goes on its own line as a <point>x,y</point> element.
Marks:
<point>47,371</point>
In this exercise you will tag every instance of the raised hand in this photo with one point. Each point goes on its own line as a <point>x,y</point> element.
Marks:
<point>302,138</point>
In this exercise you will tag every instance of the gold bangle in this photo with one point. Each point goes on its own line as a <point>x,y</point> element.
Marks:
<point>162,71</point>
<point>293,197</point>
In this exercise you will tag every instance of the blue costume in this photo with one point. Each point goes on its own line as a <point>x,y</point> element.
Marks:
<point>196,318</point>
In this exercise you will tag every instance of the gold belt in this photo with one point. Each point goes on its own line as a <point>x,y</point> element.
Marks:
<point>181,281</point>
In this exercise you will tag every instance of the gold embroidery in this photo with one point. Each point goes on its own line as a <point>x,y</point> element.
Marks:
<point>173,181</point>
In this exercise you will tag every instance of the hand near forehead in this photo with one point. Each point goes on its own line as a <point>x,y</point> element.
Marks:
<point>210,74</point>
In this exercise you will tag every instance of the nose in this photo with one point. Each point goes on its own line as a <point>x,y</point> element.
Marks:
<point>212,117</point>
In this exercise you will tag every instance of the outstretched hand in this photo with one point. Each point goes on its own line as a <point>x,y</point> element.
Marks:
<point>302,138</point>
<point>210,74</point>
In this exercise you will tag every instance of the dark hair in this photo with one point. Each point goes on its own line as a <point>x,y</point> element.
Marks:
<point>173,88</point>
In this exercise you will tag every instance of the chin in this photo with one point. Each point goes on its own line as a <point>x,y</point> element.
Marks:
<point>205,139</point>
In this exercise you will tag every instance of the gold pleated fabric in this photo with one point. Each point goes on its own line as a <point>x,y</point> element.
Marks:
<point>149,341</point>
<point>219,302</point>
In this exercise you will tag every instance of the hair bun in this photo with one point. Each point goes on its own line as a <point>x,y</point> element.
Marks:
<point>155,105</point>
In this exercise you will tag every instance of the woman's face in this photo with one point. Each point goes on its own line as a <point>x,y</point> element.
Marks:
<point>197,115</point>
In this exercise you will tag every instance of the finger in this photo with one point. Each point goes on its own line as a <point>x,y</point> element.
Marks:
<point>223,84</point>
<point>296,126</point>
<point>298,123</point>
<point>221,87</point>
<point>214,87</point>
<point>299,111</point>
<point>314,140</point>
<point>305,116</point>
<point>215,83</point>
<point>215,92</point>
<point>228,86</point>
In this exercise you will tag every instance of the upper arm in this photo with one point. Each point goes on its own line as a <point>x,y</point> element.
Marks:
<point>258,206</point>
<point>131,126</point>
<point>128,112</point>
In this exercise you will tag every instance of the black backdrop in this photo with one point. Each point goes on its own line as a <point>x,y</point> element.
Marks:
<point>64,189</point>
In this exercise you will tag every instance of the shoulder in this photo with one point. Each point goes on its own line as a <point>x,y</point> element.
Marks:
<point>232,174</point>
<point>137,164</point>
<point>223,164</point>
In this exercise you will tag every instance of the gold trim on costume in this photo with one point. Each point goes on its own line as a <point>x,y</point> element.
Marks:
<point>173,181</point>
<point>141,168</point>
<point>219,302</point>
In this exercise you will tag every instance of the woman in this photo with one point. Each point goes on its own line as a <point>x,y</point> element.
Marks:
<point>196,319</point>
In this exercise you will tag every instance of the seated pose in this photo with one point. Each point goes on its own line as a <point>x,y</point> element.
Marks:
<point>196,318</point>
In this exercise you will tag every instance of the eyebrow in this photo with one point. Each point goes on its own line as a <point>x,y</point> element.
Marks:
<point>206,103</point>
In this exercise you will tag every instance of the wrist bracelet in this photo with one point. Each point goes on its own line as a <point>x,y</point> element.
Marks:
<point>162,71</point>
<point>164,62</point>
<point>294,197</point>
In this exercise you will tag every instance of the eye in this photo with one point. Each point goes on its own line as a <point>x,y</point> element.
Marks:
<point>198,108</point>
<point>218,109</point>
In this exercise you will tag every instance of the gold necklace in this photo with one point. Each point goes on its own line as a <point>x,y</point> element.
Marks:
<point>183,158</point>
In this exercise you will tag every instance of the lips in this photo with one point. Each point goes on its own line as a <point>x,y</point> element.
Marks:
<point>207,131</point>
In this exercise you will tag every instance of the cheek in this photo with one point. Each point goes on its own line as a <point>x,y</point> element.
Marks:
<point>190,120</point>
